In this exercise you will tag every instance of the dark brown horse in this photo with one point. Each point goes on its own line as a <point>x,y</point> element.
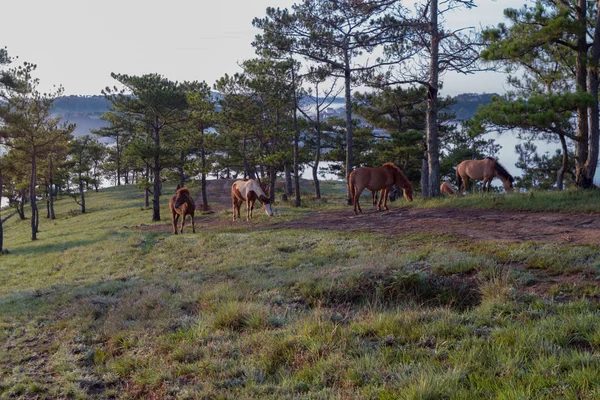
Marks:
<point>486,169</point>
<point>248,191</point>
<point>379,178</point>
<point>182,204</point>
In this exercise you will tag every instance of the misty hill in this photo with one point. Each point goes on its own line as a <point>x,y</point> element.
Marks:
<point>86,111</point>
<point>467,103</point>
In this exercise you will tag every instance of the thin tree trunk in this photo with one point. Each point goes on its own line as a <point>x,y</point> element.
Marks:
<point>52,195</point>
<point>581,145</point>
<point>288,180</point>
<point>82,194</point>
<point>560,174</point>
<point>118,162</point>
<point>156,197</point>
<point>147,194</point>
<point>272,179</point>
<point>432,106</point>
<point>203,177</point>
<point>32,199</point>
<point>21,206</point>
<point>594,128</point>
<point>180,169</point>
<point>425,176</point>
<point>315,169</point>
<point>349,130</point>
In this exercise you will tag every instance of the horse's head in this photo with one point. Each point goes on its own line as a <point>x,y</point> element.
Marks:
<point>408,192</point>
<point>266,205</point>
<point>181,196</point>
<point>508,184</point>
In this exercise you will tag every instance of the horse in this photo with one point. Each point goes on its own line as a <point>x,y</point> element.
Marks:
<point>486,169</point>
<point>446,188</point>
<point>182,204</point>
<point>375,179</point>
<point>248,190</point>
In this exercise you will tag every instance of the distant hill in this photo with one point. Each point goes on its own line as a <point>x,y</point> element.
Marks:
<point>86,111</point>
<point>467,104</point>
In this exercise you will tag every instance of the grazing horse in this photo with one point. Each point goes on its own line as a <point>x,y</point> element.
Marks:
<point>379,178</point>
<point>182,204</point>
<point>446,188</point>
<point>486,169</point>
<point>248,190</point>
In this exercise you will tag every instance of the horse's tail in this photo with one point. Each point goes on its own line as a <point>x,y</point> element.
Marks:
<point>458,180</point>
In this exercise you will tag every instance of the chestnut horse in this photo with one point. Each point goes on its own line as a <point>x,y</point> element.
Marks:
<point>486,169</point>
<point>446,188</point>
<point>248,190</point>
<point>379,178</point>
<point>182,204</point>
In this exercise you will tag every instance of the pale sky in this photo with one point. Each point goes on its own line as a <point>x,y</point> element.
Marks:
<point>78,43</point>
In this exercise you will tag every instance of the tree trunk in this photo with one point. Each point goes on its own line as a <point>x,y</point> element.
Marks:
<point>156,197</point>
<point>425,176</point>
<point>560,174</point>
<point>147,190</point>
<point>82,194</point>
<point>272,180</point>
<point>315,169</point>
<point>288,180</point>
<point>581,145</point>
<point>203,177</point>
<point>117,149</point>
<point>591,164</point>
<point>32,196</point>
<point>349,133</point>
<point>180,169</point>
<point>52,194</point>
<point>21,206</point>
<point>432,106</point>
<point>247,170</point>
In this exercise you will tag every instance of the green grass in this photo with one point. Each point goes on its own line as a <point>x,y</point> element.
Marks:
<point>111,305</point>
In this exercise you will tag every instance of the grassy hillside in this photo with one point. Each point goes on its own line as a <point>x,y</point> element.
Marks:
<point>111,305</point>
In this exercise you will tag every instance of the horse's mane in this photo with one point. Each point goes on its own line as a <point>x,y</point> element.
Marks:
<point>184,190</point>
<point>391,165</point>
<point>502,171</point>
<point>405,183</point>
<point>491,158</point>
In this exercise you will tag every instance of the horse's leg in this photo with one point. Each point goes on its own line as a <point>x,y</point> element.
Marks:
<point>357,192</point>
<point>233,206</point>
<point>193,227</point>
<point>175,219</point>
<point>248,208</point>
<point>183,214</point>
<point>384,195</point>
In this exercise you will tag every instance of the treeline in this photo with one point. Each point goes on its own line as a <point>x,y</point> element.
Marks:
<point>270,120</point>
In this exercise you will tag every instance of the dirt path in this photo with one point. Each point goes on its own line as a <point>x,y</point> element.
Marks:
<point>474,224</point>
<point>578,228</point>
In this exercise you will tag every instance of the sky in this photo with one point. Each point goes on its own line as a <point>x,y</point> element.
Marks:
<point>78,43</point>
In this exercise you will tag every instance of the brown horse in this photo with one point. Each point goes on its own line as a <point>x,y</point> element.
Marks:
<point>182,204</point>
<point>248,191</point>
<point>379,178</point>
<point>446,188</point>
<point>486,169</point>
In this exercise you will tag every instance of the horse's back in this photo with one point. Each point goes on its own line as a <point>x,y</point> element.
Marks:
<point>241,188</point>
<point>372,178</point>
